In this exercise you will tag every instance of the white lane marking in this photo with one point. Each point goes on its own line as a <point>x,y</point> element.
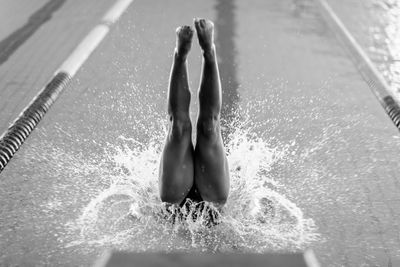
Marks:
<point>116,10</point>
<point>81,53</point>
<point>310,259</point>
<point>83,50</point>
<point>346,36</point>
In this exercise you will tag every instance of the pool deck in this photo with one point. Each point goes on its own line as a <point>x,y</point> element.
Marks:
<point>346,157</point>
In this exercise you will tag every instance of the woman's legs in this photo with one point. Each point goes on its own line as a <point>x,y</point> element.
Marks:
<point>211,172</point>
<point>176,169</point>
<point>206,167</point>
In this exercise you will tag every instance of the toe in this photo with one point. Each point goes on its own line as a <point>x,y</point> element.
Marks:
<point>202,23</point>
<point>189,31</point>
<point>196,23</point>
<point>184,31</point>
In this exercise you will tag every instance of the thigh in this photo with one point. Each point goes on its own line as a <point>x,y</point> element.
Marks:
<point>176,169</point>
<point>211,172</point>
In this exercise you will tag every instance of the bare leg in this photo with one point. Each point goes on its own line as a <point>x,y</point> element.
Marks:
<point>176,169</point>
<point>211,172</point>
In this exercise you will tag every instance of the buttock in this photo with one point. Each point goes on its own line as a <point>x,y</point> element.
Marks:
<point>193,195</point>
<point>194,209</point>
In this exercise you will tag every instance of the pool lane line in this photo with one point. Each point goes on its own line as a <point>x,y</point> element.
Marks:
<point>363,63</point>
<point>12,42</point>
<point>12,139</point>
<point>225,25</point>
<point>310,258</point>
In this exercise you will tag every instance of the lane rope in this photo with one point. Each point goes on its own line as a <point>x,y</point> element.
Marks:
<point>13,138</point>
<point>364,65</point>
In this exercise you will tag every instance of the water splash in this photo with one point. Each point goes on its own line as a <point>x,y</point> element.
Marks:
<point>257,217</point>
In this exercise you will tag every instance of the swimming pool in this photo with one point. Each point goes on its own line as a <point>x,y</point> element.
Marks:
<point>302,129</point>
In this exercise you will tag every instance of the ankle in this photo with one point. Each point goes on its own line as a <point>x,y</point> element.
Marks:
<point>180,56</point>
<point>209,53</point>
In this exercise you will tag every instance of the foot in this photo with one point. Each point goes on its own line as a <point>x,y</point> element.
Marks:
<point>205,33</point>
<point>184,36</point>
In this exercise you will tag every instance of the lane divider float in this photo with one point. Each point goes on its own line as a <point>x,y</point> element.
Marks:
<point>12,139</point>
<point>367,69</point>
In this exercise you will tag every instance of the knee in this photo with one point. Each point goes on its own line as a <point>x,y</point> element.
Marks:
<point>180,128</point>
<point>209,127</point>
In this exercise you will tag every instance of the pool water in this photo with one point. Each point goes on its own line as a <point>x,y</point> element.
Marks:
<point>258,216</point>
<point>375,24</point>
<point>313,158</point>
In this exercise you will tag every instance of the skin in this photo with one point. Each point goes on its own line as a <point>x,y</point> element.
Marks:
<point>203,168</point>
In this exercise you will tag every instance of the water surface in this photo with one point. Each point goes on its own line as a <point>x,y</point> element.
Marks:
<point>313,157</point>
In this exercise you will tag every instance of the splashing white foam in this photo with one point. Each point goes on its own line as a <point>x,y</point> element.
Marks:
<point>257,217</point>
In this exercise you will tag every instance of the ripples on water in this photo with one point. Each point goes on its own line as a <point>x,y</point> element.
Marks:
<point>385,41</point>
<point>376,25</point>
<point>257,217</point>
